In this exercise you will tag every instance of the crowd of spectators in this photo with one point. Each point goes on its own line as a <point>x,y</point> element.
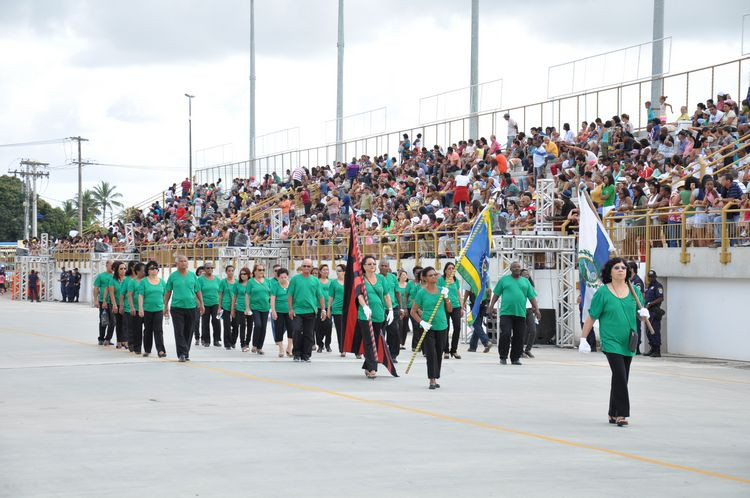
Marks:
<point>426,193</point>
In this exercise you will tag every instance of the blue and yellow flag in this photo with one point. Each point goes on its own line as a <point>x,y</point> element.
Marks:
<point>473,261</point>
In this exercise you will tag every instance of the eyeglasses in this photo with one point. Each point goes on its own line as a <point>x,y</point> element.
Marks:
<point>153,268</point>
<point>306,266</point>
<point>619,267</point>
<point>261,269</point>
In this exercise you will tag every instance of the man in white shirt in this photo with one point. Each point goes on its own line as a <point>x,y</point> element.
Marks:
<point>715,116</point>
<point>512,129</point>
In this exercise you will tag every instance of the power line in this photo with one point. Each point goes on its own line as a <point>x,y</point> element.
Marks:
<point>37,142</point>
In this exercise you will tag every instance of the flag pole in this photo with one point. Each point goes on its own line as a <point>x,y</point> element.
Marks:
<point>630,285</point>
<point>419,344</point>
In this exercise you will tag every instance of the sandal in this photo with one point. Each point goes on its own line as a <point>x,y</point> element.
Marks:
<point>612,420</point>
<point>620,421</point>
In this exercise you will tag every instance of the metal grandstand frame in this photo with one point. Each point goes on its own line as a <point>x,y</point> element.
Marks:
<point>99,260</point>
<point>243,256</point>
<point>44,264</point>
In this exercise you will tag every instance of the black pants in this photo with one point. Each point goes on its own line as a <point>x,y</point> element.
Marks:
<point>243,323</point>
<point>392,336</point>
<point>403,327</point>
<point>619,401</point>
<point>260,321</point>
<point>514,326</point>
<point>153,331</point>
<point>135,333</point>
<point>416,333</point>
<point>120,332</point>
<point>530,329</point>
<point>197,325</point>
<point>454,322</point>
<point>210,316</point>
<point>304,335</point>
<point>338,322</point>
<point>182,322</point>
<point>230,328</point>
<point>33,293</point>
<point>432,347</point>
<point>371,349</point>
<point>323,331</point>
<point>71,293</point>
<point>112,325</point>
<point>654,340</point>
<point>64,292</point>
<point>103,328</point>
<point>283,323</point>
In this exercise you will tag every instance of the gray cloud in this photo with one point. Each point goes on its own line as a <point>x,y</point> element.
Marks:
<point>125,109</point>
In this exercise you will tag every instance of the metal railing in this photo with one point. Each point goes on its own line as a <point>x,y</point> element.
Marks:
<point>682,88</point>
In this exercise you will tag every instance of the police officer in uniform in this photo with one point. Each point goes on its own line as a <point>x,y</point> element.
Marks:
<point>74,282</point>
<point>654,297</point>
<point>638,284</point>
<point>64,276</point>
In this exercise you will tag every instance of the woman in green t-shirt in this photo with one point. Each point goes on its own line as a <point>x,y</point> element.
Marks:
<point>411,291</point>
<point>403,319</point>
<point>336,305</point>
<point>226,295</point>
<point>280,313</point>
<point>454,295</point>
<point>241,309</point>
<point>197,322</point>
<point>151,292</point>
<point>135,322</point>
<point>259,293</point>
<point>375,311</point>
<point>323,327</point>
<point>119,269</point>
<point>432,298</point>
<point>615,308</point>
<point>209,286</point>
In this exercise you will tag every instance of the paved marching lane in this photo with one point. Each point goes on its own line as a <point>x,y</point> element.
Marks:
<point>78,419</point>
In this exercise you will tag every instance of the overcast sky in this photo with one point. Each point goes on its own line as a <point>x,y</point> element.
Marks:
<point>116,72</point>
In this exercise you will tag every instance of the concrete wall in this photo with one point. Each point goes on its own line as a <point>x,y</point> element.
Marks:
<point>705,301</point>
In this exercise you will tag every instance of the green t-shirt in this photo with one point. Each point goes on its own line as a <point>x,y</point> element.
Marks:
<point>617,317</point>
<point>375,299</point>
<point>281,294</point>
<point>514,292</point>
<point>326,289</point>
<point>102,281</point>
<point>392,282</point>
<point>132,289</point>
<point>239,293</point>
<point>260,295</point>
<point>153,295</point>
<point>226,289</point>
<point>183,289</point>
<point>402,292</point>
<point>453,290</point>
<point>426,302</point>
<point>685,196</point>
<point>209,290</point>
<point>336,292</point>
<point>412,288</point>
<point>610,191</point>
<point>120,288</point>
<point>306,294</point>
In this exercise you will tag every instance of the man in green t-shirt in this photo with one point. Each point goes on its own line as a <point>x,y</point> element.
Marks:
<point>513,290</point>
<point>101,300</point>
<point>391,330</point>
<point>305,297</point>
<point>186,296</point>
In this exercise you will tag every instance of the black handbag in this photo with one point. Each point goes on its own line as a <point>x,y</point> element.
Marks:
<point>632,341</point>
<point>103,318</point>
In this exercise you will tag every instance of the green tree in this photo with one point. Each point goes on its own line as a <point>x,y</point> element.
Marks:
<point>105,198</point>
<point>54,220</point>
<point>11,208</point>
<point>90,211</point>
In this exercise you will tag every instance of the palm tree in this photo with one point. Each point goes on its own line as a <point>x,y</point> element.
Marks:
<point>90,210</point>
<point>105,198</point>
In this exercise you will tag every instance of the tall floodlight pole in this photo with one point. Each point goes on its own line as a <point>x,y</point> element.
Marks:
<point>190,135</point>
<point>340,87</point>
<point>251,157</point>
<point>474,77</point>
<point>657,53</point>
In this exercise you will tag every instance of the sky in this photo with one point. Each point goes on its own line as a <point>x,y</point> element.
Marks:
<point>116,72</point>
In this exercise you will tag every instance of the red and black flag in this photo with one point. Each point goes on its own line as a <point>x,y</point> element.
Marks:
<point>353,287</point>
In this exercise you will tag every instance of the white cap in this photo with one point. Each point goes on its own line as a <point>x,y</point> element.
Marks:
<point>435,203</point>
<point>415,219</point>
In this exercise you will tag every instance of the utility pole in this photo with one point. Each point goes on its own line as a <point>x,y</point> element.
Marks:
<point>340,87</point>
<point>80,182</point>
<point>474,72</point>
<point>657,54</point>
<point>251,159</point>
<point>29,176</point>
<point>190,135</point>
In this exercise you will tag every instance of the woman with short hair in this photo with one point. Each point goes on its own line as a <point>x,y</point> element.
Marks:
<point>280,313</point>
<point>428,299</point>
<point>151,292</point>
<point>259,292</point>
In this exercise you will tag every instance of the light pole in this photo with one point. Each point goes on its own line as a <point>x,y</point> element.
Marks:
<point>190,135</point>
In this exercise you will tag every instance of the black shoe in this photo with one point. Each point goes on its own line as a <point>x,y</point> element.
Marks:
<point>101,343</point>
<point>471,350</point>
<point>217,344</point>
<point>228,348</point>
<point>528,354</point>
<point>328,349</point>
<point>437,385</point>
<point>297,358</point>
<point>320,349</point>
<point>306,360</point>
<point>359,356</point>
<point>516,362</point>
<point>197,342</point>
<point>394,360</point>
<point>187,358</point>
<point>487,348</point>
<point>433,386</point>
<point>162,354</point>
<point>234,346</point>
<point>649,353</point>
<point>145,355</point>
<point>181,359</point>
<point>503,361</point>
<point>655,354</point>
<point>402,347</point>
